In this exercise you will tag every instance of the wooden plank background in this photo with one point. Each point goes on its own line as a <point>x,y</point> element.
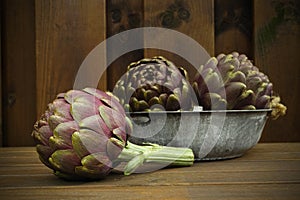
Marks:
<point>122,15</point>
<point>199,16</point>
<point>1,121</point>
<point>277,47</point>
<point>234,27</point>
<point>18,71</point>
<point>44,42</point>
<point>66,31</point>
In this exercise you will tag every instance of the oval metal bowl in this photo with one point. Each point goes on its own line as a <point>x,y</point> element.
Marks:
<point>212,135</point>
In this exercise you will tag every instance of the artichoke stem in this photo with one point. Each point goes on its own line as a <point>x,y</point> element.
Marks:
<point>138,155</point>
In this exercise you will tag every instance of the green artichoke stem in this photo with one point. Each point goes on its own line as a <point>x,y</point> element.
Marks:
<point>137,155</point>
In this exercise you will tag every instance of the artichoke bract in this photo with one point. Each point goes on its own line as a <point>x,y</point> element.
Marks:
<point>233,82</point>
<point>154,84</point>
<point>83,135</point>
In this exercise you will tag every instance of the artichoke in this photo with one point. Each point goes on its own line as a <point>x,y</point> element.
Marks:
<point>233,82</point>
<point>154,84</point>
<point>83,135</point>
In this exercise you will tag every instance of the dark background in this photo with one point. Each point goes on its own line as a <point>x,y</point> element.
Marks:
<point>43,43</point>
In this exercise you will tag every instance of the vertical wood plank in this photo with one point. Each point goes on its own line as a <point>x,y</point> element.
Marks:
<point>66,31</point>
<point>122,15</point>
<point>193,18</point>
<point>277,45</point>
<point>1,132</point>
<point>18,73</point>
<point>233,27</point>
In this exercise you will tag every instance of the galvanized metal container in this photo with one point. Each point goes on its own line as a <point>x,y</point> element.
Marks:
<point>212,135</point>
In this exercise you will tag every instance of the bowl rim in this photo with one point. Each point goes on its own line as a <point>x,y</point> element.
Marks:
<point>202,111</point>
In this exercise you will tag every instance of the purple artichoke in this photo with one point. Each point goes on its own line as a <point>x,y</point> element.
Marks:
<point>233,82</point>
<point>154,84</point>
<point>83,135</point>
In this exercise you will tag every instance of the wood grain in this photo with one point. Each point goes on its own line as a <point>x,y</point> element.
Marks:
<point>43,44</point>
<point>277,44</point>
<point>18,72</point>
<point>1,122</point>
<point>192,18</point>
<point>252,176</point>
<point>66,31</point>
<point>233,27</point>
<point>214,192</point>
<point>122,15</point>
<point>177,177</point>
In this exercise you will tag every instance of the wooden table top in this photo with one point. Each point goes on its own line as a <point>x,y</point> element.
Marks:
<point>268,171</point>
